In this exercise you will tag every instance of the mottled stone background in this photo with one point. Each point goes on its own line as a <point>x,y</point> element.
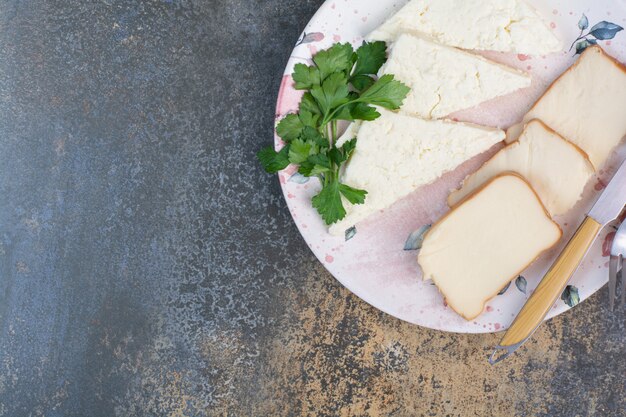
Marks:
<point>148,267</point>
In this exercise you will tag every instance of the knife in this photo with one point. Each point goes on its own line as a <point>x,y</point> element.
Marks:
<point>608,207</point>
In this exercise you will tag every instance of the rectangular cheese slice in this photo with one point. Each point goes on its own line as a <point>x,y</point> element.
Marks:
<point>585,105</point>
<point>445,79</point>
<point>496,25</point>
<point>396,154</point>
<point>485,242</point>
<point>556,169</point>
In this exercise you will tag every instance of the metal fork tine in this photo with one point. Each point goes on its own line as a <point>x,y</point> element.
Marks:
<point>623,302</point>
<point>612,281</point>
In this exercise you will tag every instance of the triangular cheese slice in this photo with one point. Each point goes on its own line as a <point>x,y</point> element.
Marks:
<point>495,25</point>
<point>485,242</point>
<point>556,169</point>
<point>444,80</point>
<point>585,105</point>
<point>396,154</point>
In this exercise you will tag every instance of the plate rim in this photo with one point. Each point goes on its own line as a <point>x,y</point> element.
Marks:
<point>553,312</point>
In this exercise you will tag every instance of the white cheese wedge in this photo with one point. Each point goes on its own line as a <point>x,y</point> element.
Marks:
<point>585,105</point>
<point>485,242</point>
<point>445,79</point>
<point>556,169</point>
<point>396,154</point>
<point>496,25</point>
<point>350,133</point>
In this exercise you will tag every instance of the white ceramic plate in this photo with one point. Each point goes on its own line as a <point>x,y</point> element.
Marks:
<point>372,263</point>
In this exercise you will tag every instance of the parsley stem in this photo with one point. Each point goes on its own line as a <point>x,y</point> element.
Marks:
<point>330,116</point>
<point>331,140</point>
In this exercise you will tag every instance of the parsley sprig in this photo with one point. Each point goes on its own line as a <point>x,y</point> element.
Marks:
<point>341,85</point>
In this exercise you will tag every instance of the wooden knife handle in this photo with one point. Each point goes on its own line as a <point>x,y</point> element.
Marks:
<point>552,285</point>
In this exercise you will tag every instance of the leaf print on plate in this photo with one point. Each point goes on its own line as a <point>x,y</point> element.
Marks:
<point>581,46</point>
<point>599,32</point>
<point>415,239</point>
<point>583,23</point>
<point>521,284</point>
<point>605,30</point>
<point>310,38</point>
<point>506,287</point>
<point>350,233</point>
<point>570,296</point>
<point>299,178</point>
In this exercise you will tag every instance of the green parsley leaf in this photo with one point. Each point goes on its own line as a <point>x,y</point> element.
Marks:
<point>364,112</point>
<point>333,92</point>
<point>336,156</point>
<point>312,135</point>
<point>348,148</point>
<point>273,161</point>
<point>315,165</point>
<point>290,127</point>
<point>320,159</point>
<point>362,82</point>
<point>371,56</point>
<point>309,119</point>
<point>353,195</point>
<point>337,58</point>
<point>305,76</point>
<point>309,104</point>
<point>299,151</point>
<point>306,168</point>
<point>319,170</point>
<point>328,203</point>
<point>386,92</point>
<point>340,155</point>
<point>345,112</point>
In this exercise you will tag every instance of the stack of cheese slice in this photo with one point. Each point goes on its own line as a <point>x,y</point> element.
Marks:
<point>585,105</point>
<point>495,25</point>
<point>556,169</point>
<point>396,154</point>
<point>444,80</point>
<point>485,242</point>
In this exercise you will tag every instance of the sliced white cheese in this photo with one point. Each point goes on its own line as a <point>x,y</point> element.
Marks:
<point>350,133</point>
<point>556,169</point>
<point>396,154</point>
<point>496,25</point>
<point>445,79</point>
<point>485,242</point>
<point>585,105</point>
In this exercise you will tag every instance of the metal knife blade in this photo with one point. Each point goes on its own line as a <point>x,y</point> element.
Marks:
<point>613,198</point>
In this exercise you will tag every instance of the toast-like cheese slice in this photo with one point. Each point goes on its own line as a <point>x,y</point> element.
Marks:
<point>444,80</point>
<point>495,25</point>
<point>485,242</point>
<point>555,168</point>
<point>585,105</point>
<point>396,154</point>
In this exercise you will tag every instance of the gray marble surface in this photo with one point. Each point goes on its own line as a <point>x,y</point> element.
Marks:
<point>148,267</point>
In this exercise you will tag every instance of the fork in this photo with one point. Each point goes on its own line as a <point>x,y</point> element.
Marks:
<point>616,262</point>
